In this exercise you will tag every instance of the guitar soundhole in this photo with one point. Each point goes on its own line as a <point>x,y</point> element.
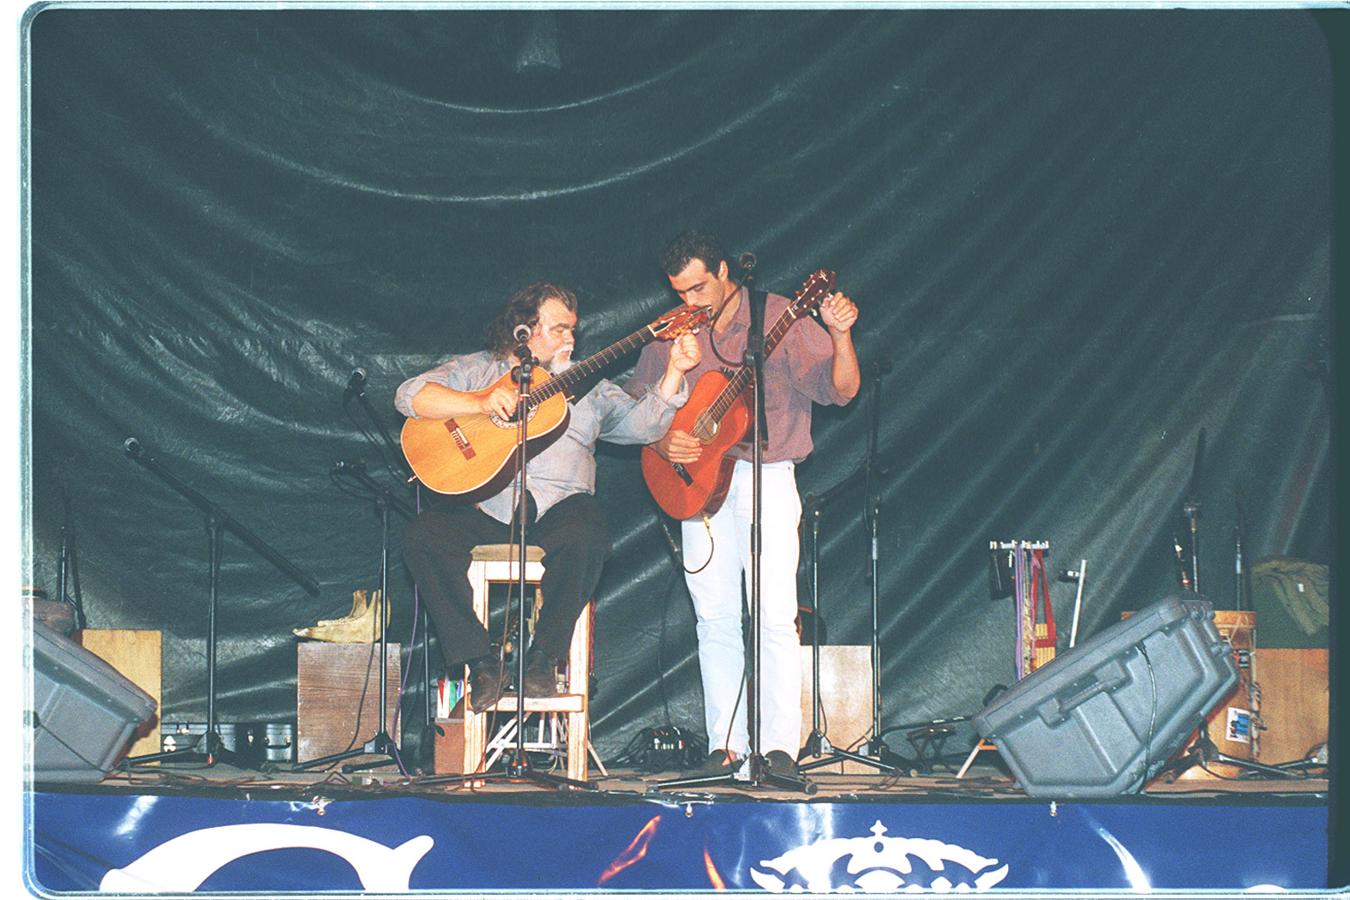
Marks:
<point>510,422</point>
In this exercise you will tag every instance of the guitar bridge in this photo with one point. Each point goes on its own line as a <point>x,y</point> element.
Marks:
<point>461,440</point>
<point>681,471</point>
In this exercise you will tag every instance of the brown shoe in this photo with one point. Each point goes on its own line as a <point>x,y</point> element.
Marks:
<point>541,675</point>
<point>485,685</point>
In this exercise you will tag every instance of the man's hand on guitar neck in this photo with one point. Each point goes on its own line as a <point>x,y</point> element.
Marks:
<point>679,446</point>
<point>838,313</point>
<point>684,355</point>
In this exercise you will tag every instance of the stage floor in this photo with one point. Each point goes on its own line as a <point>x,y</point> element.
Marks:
<point>183,828</point>
<point>983,782</point>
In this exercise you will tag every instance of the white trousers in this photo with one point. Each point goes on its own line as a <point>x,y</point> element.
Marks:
<point>719,606</point>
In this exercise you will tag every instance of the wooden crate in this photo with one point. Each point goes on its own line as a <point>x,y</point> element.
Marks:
<point>136,653</point>
<point>846,699</point>
<point>330,679</point>
<point>448,753</point>
<point>1295,701</point>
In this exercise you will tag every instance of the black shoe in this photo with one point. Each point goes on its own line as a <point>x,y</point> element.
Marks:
<point>485,684</point>
<point>779,763</point>
<point>541,675</point>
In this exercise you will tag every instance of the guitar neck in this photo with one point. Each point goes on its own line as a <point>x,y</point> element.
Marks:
<point>742,377</point>
<point>593,363</point>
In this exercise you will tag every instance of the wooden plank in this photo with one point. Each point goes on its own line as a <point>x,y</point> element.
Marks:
<point>1295,701</point>
<point>136,653</point>
<point>846,699</point>
<point>330,679</point>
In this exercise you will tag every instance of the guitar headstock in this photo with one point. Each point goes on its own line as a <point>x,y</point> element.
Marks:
<point>812,293</point>
<point>680,321</point>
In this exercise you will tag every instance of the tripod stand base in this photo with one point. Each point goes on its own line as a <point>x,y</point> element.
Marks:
<point>753,772</point>
<point>380,745</point>
<point>208,751</point>
<point>513,772</point>
<point>1203,752</point>
<point>878,756</point>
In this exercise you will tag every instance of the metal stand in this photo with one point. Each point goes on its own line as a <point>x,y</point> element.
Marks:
<point>68,561</point>
<point>756,772</point>
<point>817,744</point>
<point>381,744</point>
<point>1191,508</point>
<point>216,519</point>
<point>874,752</point>
<point>388,450</point>
<point>1203,752</point>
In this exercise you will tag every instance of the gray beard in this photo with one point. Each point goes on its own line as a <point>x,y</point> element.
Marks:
<point>557,366</point>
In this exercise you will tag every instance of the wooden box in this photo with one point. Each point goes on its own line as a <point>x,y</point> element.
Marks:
<point>846,700</point>
<point>1295,701</point>
<point>136,653</point>
<point>330,679</point>
<point>448,754</point>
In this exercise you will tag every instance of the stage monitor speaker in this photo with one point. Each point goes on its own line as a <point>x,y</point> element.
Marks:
<point>1103,718</point>
<point>84,711</point>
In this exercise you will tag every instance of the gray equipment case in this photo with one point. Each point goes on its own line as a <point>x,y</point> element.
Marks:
<point>84,711</point>
<point>1103,718</point>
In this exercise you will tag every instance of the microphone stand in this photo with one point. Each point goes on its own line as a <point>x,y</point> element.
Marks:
<point>381,744</point>
<point>874,752</point>
<point>356,387</point>
<point>216,520</point>
<point>68,561</point>
<point>756,768</point>
<point>518,766</point>
<point>1191,508</point>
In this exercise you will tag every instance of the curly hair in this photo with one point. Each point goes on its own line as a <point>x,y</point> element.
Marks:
<point>523,309</point>
<point>689,246</point>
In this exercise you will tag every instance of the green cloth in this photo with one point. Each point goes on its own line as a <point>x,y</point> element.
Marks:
<point>1291,600</point>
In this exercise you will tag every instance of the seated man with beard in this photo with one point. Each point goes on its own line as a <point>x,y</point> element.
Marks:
<point>562,514</point>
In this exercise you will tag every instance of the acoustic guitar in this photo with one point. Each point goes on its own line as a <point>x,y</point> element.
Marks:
<point>718,414</point>
<point>474,455</point>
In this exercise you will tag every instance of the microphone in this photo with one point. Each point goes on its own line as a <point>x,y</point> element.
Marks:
<point>521,333</point>
<point>355,384</point>
<point>132,446</point>
<point>747,262</point>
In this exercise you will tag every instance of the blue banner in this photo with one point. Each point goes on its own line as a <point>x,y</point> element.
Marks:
<point>148,844</point>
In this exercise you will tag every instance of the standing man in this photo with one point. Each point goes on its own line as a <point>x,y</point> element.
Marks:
<point>563,515</point>
<point>811,365</point>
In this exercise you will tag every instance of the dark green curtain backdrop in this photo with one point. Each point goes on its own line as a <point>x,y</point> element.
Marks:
<point>1077,238</point>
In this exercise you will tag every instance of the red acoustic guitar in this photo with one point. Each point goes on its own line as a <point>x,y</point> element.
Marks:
<point>474,455</point>
<point>718,415</point>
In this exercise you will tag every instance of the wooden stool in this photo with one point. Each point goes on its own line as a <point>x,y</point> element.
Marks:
<point>565,718</point>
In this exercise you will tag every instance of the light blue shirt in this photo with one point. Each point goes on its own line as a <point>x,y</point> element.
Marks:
<point>567,466</point>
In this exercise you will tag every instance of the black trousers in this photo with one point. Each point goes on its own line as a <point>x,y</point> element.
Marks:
<point>436,546</point>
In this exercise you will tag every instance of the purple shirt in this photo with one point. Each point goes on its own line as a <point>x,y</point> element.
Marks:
<point>796,374</point>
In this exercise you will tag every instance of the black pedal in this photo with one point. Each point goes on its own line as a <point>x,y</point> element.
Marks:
<point>666,750</point>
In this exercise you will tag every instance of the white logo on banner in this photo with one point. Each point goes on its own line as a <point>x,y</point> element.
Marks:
<point>183,863</point>
<point>879,864</point>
